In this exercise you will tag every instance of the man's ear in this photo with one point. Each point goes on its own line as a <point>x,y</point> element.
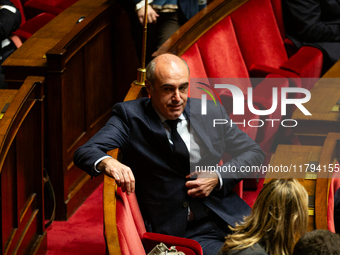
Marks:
<point>148,87</point>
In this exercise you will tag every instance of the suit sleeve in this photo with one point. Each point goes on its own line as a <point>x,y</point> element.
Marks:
<point>115,134</point>
<point>244,151</point>
<point>9,21</point>
<point>304,21</point>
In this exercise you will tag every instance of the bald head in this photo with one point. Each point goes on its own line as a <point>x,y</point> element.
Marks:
<point>167,84</point>
<point>165,61</point>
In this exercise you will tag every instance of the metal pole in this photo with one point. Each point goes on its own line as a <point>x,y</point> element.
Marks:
<point>141,72</point>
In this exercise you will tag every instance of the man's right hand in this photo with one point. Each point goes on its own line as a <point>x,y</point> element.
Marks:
<point>152,15</point>
<point>121,173</point>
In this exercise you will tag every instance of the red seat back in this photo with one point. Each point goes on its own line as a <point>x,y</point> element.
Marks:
<point>220,52</point>
<point>130,224</point>
<point>217,55</point>
<point>132,235</point>
<point>333,187</point>
<point>258,34</point>
<point>277,8</point>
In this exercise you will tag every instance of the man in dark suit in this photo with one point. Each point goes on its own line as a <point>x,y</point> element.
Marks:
<point>173,201</point>
<point>315,23</point>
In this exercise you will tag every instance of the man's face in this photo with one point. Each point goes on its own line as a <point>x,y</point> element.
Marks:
<point>170,92</point>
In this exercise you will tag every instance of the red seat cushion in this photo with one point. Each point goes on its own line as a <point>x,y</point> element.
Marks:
<point>260,35</point>
<point>307,63</point>
<point>29,27</point>
<point>132,236</point>
<point>33,25</point>
<point>188,246</point>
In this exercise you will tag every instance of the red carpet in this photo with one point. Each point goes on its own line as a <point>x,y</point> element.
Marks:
<point>83,233</point>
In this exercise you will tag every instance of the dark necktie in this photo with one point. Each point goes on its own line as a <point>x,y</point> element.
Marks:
<point>179,148</point>
<point>182,154</point>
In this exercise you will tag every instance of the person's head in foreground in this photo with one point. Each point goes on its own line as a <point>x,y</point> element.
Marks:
<point>279,217</point>
<point>318,242</point>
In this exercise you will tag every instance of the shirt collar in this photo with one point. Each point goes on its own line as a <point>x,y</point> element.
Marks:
<point>181,117</point>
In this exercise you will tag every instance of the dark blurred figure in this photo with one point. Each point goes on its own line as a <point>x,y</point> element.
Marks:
<point>315,23</point>
<point>318,242</point>
<point>10,19</point>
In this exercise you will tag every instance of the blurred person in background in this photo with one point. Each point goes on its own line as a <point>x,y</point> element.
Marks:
<point>315,23</point>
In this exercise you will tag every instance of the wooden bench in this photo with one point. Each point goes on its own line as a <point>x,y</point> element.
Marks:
<point>86,73</point>
<point>324,106</point>
<point>21,169</point>
<point>320,184</point>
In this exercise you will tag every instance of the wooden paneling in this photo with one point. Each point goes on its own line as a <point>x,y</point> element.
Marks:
<point>21,169</point>
<point>86,73</point>
<point>30,59</point>
<point>80,95</point>
<point>325,98</point>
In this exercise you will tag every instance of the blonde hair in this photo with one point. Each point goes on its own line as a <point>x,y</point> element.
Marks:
<point>279,217</point>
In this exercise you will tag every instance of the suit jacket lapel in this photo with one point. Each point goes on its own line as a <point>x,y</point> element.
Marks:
<point>157,128</point>
<point>198,123</point>
<point>158,131</point>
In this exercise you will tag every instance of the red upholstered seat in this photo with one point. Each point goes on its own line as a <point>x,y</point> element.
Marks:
<point>261,41</point>
<point>133,238</point>
<point>29,27</point>
<point>333,188</point>
<point>217,55</point>
<point>195,62</point>
<point>291,49</point>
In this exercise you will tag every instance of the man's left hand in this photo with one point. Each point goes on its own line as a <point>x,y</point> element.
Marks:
<point>203,185</point>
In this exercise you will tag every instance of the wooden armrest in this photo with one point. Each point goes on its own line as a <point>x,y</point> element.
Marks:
<point>110,188</point>
<point>110,227</point>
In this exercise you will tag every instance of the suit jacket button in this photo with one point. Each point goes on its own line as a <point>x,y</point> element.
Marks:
<point>185,204</point>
